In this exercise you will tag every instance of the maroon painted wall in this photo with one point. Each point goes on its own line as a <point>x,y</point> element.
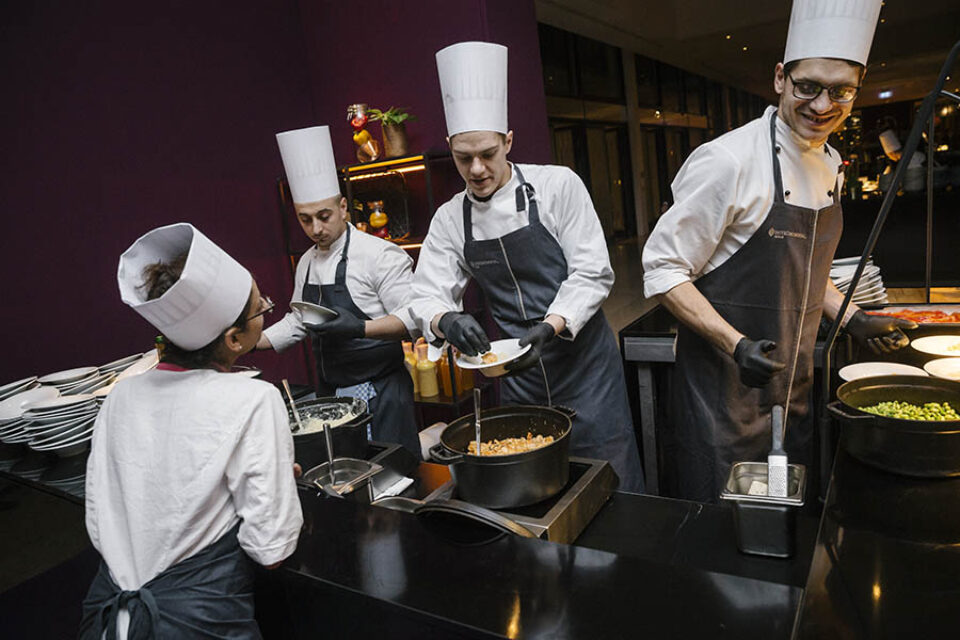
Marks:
<point>118,118</point>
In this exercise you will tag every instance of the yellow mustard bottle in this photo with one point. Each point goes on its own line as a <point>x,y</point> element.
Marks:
<point>427,372</point>
<point>410,362</point>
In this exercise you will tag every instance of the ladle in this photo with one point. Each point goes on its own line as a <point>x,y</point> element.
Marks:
<point>293,406</point>
<point>476,413</point>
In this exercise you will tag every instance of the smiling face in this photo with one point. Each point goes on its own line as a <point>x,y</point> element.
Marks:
<point>323,221</point>
<point>814,120</point>
<point>481,159</point>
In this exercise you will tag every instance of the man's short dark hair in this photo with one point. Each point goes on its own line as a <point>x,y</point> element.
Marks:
<point>790,66</point>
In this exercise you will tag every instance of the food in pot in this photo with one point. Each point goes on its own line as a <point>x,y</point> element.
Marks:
<point>509,446</point>
<point>930,411</point>
<point>921,316</point>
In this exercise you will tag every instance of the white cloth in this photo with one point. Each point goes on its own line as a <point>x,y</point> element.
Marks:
<point>473,85</point>
<point>209,296</point>
<point>379,279</point>
<point>178,458</point>
<point>566,212</point>
<point>831,29</point>
<point>723,193</point>
<point>308,162</point>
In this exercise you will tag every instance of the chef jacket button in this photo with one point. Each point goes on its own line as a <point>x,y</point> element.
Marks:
<point>786,194</point>
<point>778,148</point>
<point>830,193</point>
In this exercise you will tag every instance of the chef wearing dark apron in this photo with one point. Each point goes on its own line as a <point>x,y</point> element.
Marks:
<point>754,227</point>
<point>365,279</point>
<point>529,236</point>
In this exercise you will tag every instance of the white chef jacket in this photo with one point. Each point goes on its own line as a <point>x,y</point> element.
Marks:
<point>723,193</point>
<point>379,279</point>
<point>566,212</point>
<point>178,458</point>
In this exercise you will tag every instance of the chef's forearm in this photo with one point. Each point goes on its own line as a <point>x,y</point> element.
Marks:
<point>388,327</point>
<point>832,299</point>
<point>689,306</point>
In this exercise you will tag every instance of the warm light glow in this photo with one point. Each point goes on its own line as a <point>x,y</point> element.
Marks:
<point>728,36</point>
<point>408,247</point>
<point>385,163</point>
<point>380,174</point>
<point>513,624</point>
<point>943,147</point>
<point>877,592</point>
<point>657,113</point>
<point>744,48</point>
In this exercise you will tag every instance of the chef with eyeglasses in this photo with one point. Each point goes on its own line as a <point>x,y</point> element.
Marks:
<point>366,280</point>
<point>743,257</point>
<point>530,237</point>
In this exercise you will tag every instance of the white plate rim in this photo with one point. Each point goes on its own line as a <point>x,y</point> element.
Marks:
<point>59,402</point>
<point>9,403</point>
<point>16,384</point>
<point>919,344</point>
<point>464,364</point>
<point>944,361</point>
<point>67,375</point>
<point>909,370</point>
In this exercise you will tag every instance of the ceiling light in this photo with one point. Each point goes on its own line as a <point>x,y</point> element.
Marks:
<point>883,95</point>
<point>744,49</point>
<point>728,36</point>
<point>882,20</point>
<point>883,64</point>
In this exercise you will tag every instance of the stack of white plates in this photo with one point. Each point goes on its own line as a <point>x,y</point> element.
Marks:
<point>120,364</point>
<point>63,426</point>
<point>91,384</point>
<point>870,289</point>
<point>13,407</point>
<point>18,386</point>
<point>69,379</point>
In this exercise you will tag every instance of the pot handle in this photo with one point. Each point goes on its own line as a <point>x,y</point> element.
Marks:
<point>836,408</point>
<point>567,411</point>
<point>440,454</point>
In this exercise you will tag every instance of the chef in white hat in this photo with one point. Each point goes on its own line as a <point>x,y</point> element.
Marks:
<point>915,176</point>
<point>530,237</point>
<point>366,280</point>
<point>190,477</point>
<point>743,256</point>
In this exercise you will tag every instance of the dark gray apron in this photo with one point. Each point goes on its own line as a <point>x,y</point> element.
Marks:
<point>208,595</point>
<point>344,363</point>
<point>771,288</point>
<point>520,273</point>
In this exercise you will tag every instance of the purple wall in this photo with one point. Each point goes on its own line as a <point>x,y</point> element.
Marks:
<point>118,119</point>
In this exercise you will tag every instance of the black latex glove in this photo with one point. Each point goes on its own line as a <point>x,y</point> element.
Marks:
<point>883,334</point>
<point>464,332</point>
<point>345,325</point>
<point>756,367</point>
<point>536,337</point>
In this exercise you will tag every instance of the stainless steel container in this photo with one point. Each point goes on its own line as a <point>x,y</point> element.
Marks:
<point>764,525</point>
<point>352,478</point>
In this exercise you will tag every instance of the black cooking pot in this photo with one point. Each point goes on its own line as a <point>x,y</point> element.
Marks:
<point>349,439</point>
<point>917,448</point>
<point>515,480</point>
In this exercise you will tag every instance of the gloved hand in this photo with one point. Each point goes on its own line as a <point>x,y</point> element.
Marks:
<point>756,367</point>
<point>536,337</point>
<point>881,333</point>
<point>345,325</point>
<point>464,332</point>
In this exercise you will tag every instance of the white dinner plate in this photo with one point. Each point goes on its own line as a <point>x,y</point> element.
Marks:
<point>314,314</point>
<point>43,431</point>
<point>148,361</point>
<point>55,436</point>
<point>51,417</point>
<point>870,369</point>
<point>90,386</point>
<point>850,260</point>
<point>948,345</point>
<point>11,388</point>
<point>13,407</point>
<point>67,376</point>
<point>59,403</point>
<point>948,368</point>
<point>507,350</point>
<point>120,363</point>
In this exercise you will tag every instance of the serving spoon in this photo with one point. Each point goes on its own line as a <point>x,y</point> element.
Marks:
<point>293,406</point>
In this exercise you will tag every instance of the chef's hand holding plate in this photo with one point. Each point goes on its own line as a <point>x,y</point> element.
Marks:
<point>464,332</point>
<point>345,325</point>
<point>883,334</point>
<point>537,338</point>
<point>756,367</point>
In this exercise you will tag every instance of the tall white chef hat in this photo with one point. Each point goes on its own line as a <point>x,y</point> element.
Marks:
<point>473,83</point>
<point>308,162</point>
<point>831,29</point>
<point>209,296</point>
<point>889,141</point>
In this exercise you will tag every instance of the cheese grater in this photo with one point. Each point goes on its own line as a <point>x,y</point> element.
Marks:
<point>777,458</point>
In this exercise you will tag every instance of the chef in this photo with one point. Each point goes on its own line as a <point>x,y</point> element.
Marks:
<point>365,279</point>
<point>190,478</point>
<point>529,236</point>
<point>742,258</point>
<point>915,177</point>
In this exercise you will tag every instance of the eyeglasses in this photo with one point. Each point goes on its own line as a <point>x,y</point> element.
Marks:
<point>266,306</point>
<point>809,90</point>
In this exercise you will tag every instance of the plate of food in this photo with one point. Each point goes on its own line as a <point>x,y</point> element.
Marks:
<point>948,345</point>
<point>314,315</point>
<point>493,363</point>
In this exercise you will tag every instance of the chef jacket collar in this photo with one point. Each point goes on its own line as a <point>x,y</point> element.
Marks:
<point>499,196</point>
<point>337,245</point>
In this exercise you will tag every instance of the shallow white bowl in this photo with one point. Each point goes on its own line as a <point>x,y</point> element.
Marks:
<point>508,350</point>
<point>314,314</point>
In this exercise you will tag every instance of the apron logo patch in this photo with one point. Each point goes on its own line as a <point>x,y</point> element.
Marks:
<point>780,234</point>
<point>483,263</point>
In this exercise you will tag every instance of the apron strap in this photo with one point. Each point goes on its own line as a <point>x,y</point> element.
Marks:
<point>467,218</point>
<point>777,176</point>
<point>137,603</point>
<point>340,280</point>
<point>525,191</point>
